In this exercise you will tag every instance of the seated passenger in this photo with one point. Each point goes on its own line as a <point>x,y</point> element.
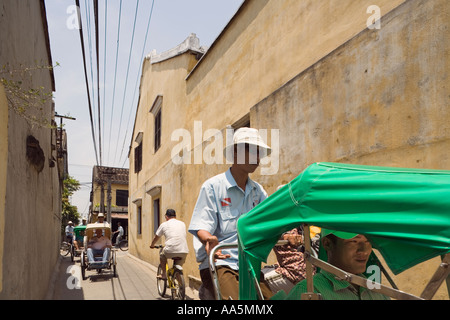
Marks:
<point>291,266</point>
<point>99,245</point>
<point>78,240</point>
<point>349,252</point>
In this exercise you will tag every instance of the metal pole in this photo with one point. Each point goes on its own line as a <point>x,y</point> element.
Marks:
<point>109,199</point>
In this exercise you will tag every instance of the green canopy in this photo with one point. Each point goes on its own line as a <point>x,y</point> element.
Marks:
<point>78,229</point>
<point>405,213</point>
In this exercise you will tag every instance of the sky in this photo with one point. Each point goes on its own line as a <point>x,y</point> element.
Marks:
<point>121,52</point>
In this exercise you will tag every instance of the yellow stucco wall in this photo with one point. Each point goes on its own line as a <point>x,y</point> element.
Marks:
<point>269,43</point>
<point>30,205</point>
<point>380,99</point>
<point>166,78</point>
<point>3,168</point>
<point>97,194</point>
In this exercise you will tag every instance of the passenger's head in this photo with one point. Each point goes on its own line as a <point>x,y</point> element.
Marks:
<point>98,233</point>
<point>347,251</point>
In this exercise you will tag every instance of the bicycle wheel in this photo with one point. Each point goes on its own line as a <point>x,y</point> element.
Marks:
<point>161,283</point>
<point>64,250</point>
<point>179,288</point>
<point>123,245</point>
<point>72,252</point>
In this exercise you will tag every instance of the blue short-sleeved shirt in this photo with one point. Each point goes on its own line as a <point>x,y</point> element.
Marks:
<point>219,205</point>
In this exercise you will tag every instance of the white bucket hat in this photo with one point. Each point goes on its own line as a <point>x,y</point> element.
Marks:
<point>249,136</point>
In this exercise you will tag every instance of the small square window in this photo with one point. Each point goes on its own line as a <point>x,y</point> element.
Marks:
<point>122,198</point>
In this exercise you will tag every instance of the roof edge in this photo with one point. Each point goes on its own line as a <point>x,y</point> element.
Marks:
<point>191,43</point>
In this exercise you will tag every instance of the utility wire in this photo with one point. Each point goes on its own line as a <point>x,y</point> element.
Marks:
<point>77,2</point>
<point>104,68</point>
<point>115,78</point>
<point>136,85</point>
<point>89,34</point>
<point>126,78</point>
<point>98,78</point>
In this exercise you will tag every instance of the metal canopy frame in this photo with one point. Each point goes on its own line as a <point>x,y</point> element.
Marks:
<point>213,269</point>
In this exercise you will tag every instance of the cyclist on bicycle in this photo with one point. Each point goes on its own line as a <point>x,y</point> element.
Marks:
<point>120,232</point>
<point>69,232</point>
<point>174,232</point>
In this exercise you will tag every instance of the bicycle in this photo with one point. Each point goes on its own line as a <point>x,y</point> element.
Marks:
<point>175,279</point>
<point>65,248</point>
<point>123,245</point>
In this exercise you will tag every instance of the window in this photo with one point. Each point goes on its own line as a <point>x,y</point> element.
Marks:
<point>155,193</point>
<point>158,130</point>
<point>139,220</point>
<point>122,198</point>
<point>138,158</point>
<point>243,122</point>
<point>156,219</point>
<point>138,152</point>
<point>156,111</point>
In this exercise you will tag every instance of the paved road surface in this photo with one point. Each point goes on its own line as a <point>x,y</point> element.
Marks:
<point>136,281</point>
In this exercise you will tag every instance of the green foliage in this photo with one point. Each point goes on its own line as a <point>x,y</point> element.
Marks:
<point>69,212</point>
<point>29,102</point>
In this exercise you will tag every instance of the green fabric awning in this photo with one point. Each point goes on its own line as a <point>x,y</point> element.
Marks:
<point>78,229</point>
<point>405,213</point>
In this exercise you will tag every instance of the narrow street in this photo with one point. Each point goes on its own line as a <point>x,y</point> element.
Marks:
<point>136,280</point>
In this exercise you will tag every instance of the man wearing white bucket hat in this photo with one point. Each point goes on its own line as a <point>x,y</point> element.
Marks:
<point>221,201</point>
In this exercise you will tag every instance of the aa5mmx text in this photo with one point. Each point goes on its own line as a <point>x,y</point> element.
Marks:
<point>239,309</point>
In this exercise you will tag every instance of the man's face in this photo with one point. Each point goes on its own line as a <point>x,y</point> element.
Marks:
<point>247,157</point>
<point>350,255</point>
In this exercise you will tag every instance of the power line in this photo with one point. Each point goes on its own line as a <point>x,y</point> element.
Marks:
<point>137,80</point>
<point>115,77</point>
<point>104,67</point>
<point>126,78</point>
<point>98,78</point>
<point>89,33</point>
<point>77,2</point>
<point>100,143</point>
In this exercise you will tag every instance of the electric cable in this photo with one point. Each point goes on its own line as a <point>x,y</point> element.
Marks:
<point>77,2</point>
<point>137,80</point>
<point>104,69</point>
<point>98,78</point>
<point>89,40</point>
<point>126,78</point>
<point>115,78</point>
